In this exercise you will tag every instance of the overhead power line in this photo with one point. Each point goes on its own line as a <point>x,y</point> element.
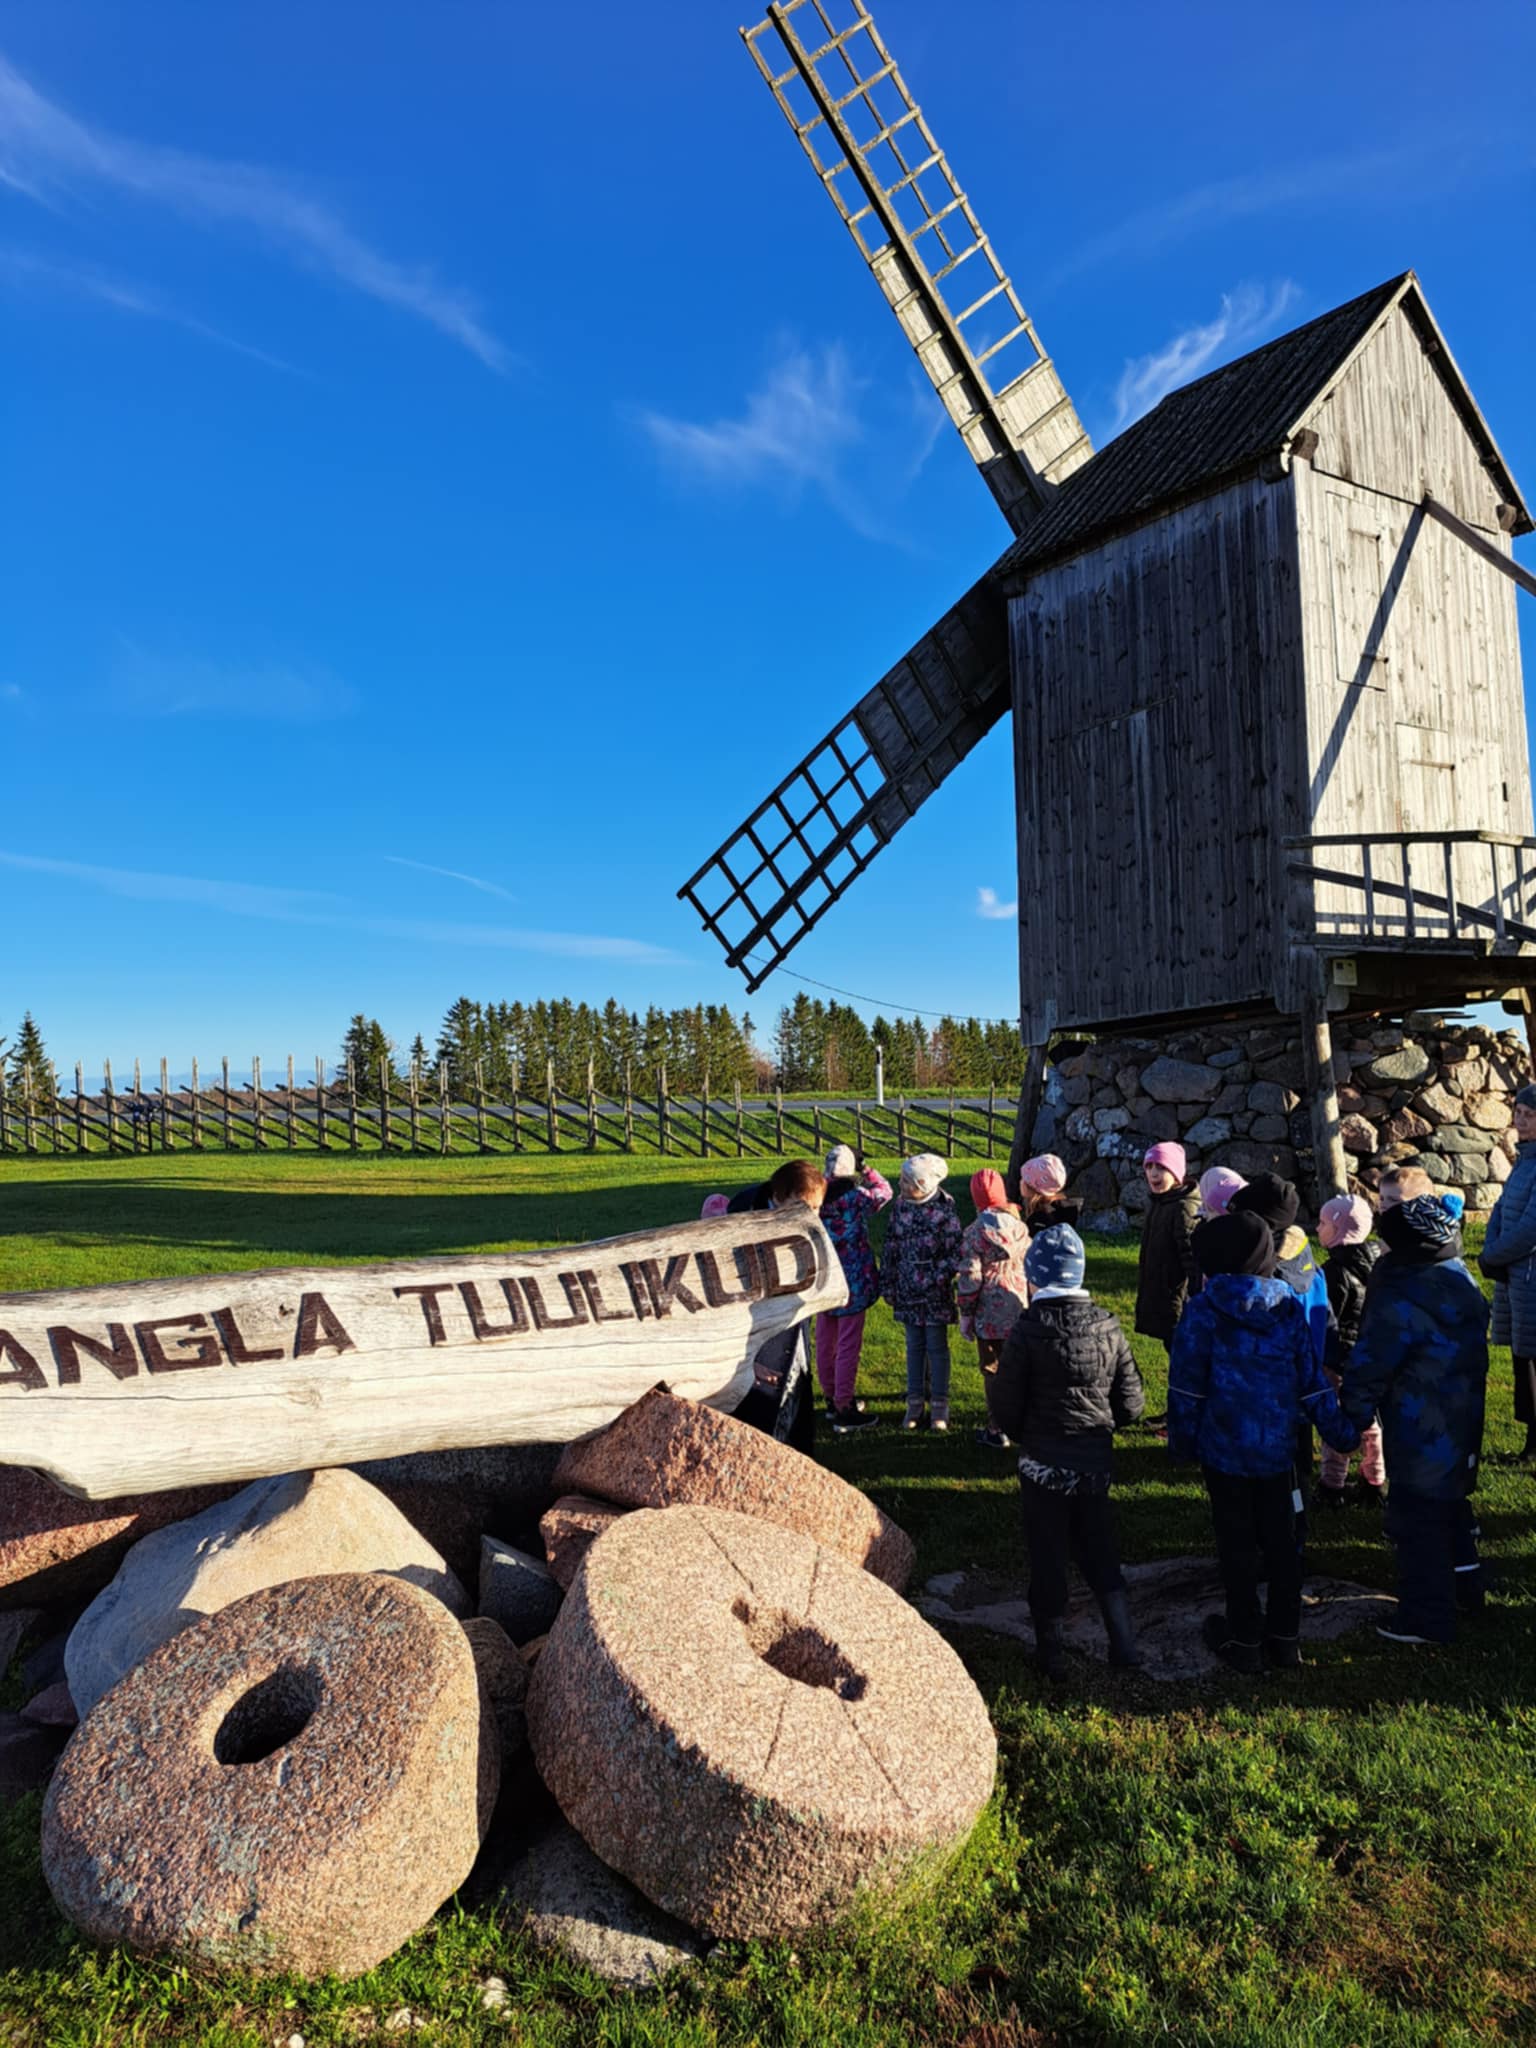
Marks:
<point>875,1002</point>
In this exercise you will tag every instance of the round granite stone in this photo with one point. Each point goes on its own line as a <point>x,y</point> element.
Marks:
<point>666,1452</point>
<point>296,1782</point>
<point>748,1726</point>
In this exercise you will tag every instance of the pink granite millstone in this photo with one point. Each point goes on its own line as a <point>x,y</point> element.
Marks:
<point>54,1547</point>
<point>569,1530</point>
<point>296,1782</point>
<point>749,1727</point>
<point>665,1452</point>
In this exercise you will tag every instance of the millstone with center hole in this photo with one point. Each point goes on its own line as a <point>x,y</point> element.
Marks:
<point>750,1727</point>
<point>297,1782</point>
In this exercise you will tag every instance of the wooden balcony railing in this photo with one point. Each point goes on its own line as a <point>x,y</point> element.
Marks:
<point>1401,890</point>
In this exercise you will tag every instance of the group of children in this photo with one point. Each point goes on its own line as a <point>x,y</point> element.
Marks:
<point>1381,1348</point>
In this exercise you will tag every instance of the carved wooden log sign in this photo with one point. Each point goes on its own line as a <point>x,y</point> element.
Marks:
<point>162,1383</point>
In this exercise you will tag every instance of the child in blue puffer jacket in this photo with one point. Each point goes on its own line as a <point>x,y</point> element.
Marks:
<point>1243,1374</point>
<point>1421,1359</point>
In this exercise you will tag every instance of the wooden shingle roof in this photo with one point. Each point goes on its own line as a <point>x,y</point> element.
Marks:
<point>1222,426</point>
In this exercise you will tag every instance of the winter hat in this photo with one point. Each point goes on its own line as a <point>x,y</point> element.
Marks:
<point>990,1191</point>
<point>1218,1184</point>
<point>1422,1228</point>
<point>1273,1200</point>
<point>1239,1242</point>
<point>1350,1218</point>
<point>841,1163</point>
<point>1055,1258</point>
<point>1454,1203</point>
<point>715,1205</point>
<point>1167,1154</point>
<point>1045,1174</point>
<point>923,1175</point>
<point>1525,1098</point>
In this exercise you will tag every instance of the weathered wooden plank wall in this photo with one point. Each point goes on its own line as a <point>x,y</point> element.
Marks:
<point>1415,706</point>
<point>1158,764</point>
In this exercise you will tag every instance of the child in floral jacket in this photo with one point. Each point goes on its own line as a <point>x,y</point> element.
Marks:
<point>992,1288</point>
<point>855,1193</point>
<point>922,1253</point>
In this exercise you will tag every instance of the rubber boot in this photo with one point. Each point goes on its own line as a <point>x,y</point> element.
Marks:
<point>1123,1647</point>
<point>1049,1648</point>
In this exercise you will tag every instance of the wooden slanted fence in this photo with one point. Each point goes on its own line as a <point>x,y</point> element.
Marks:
<point>419,1111</point>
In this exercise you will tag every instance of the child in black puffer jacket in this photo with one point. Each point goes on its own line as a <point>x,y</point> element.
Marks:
<point>1065,1383</point>
<point>1344,1225</point>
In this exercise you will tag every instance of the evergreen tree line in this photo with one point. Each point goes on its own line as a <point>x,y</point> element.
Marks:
<point>815,1045</point>
<point>27,1058</point>
<point>829,1045</point>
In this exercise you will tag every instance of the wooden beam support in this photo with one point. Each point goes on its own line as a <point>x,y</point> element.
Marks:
<point>1030,1096</point>
<point>1322,1095</point>
<point>1481,545</point>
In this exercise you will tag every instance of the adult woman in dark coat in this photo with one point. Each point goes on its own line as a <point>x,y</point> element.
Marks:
<point>1509,1260</point>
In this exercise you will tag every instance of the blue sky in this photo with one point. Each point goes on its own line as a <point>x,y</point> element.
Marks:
<point>457,464</point>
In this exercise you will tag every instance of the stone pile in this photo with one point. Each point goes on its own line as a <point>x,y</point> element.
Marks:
<point>292,1731</point>
<point>1437,1093</point>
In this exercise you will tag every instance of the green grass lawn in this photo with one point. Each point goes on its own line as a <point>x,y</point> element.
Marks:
<point>1345,1856</point>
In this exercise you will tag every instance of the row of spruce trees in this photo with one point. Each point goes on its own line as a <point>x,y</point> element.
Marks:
<point>814,1045</point>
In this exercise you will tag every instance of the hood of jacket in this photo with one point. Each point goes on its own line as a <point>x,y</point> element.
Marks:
<point>1244,1298</point>
<point>1356,1259</point>
<point>1001,1234</point>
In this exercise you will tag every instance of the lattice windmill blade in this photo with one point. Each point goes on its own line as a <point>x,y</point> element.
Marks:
<point>869,144</point>
<point>787,864</point>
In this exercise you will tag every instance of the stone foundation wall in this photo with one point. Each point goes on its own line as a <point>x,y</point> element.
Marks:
<point>1436,1093</point>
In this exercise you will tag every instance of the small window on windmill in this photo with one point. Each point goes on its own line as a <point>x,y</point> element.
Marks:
<point>1359,566</point>
<point>1426,780</point>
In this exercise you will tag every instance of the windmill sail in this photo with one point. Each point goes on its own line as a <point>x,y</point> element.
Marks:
<point>787,864</point>
<point>866,137</point>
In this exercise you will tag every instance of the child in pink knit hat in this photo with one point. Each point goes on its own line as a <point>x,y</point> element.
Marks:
<point>1042,1193</point>
<point>1218,1184</point>
<point>1344,1228</point>
<point>1167,1265</point>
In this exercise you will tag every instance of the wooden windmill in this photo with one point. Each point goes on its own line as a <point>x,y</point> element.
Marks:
<point>1260,651</point>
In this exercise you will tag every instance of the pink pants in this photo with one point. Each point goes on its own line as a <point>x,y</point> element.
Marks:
<point>1373,1468</point>
<point>839,1340</point>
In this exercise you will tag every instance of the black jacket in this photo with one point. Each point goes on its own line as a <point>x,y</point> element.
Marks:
<point>1052,1209</point>
<point>1065,1383</point>
<point>1167,1267</point>
<point>1346,1270</point>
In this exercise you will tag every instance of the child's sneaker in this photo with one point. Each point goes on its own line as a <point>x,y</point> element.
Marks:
<point>1371,1496</point>
<point>1220,1641</point>
<point>939,1422</point>
<point>1333,1497</point>
<point>1282,1653</point>
<point>845,1420</point>
<point>992,1440</point>
<point>913,1419</point>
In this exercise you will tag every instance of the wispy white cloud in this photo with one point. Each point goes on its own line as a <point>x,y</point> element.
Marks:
<point>1359,180</point>
<point>316,908</point>
<point>805,426</point>
<point>20,268</point>
<point>1246,315</point>
<point>452,875</point>
<point>987,905</point>
<point>45,152</point>
<point>151,685</point>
